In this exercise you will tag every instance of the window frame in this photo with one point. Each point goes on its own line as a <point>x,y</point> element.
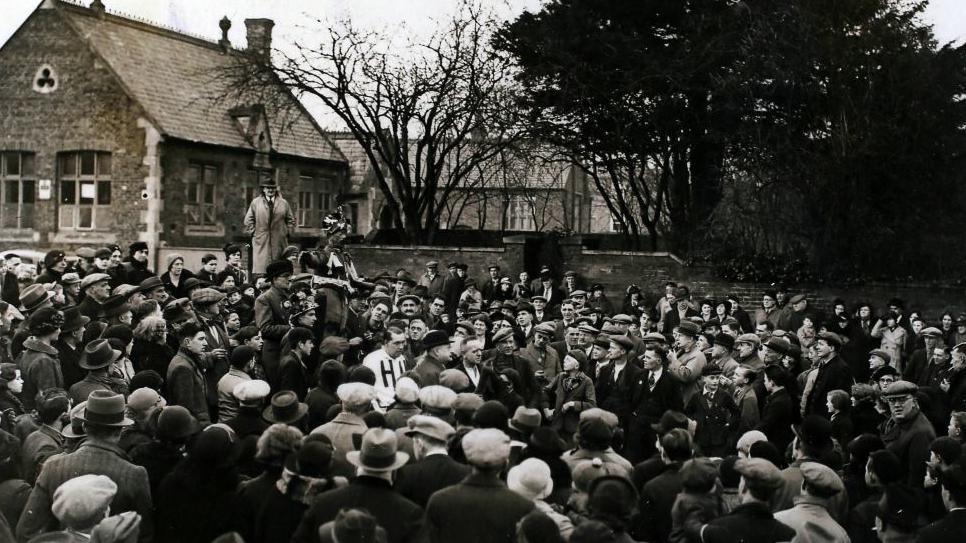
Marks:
<point>20,179</point>
<point>99,205</point>
<point>201,207</point>
<point>519,214</point>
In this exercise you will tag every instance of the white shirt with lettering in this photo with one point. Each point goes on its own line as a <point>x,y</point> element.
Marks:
<point>388,370</point>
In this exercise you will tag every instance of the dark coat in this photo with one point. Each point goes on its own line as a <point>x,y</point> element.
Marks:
<point>866,418</point>
<point>748,523</point>
<point>582,394</point>
<point>657,498</point>
<point>616,396</point>
<point>279,516</point>
<point>271,318</point>
<point>39,369</point>
<point>158,459</point>
<point>194,503</point>
<point>950,528</point>
<point>833,375</point>
<point>776,419</point>
<point>647,408</point>
<point>249,500</point>
<point>92,457</point>
<point>186,386</point>
<point>528,389</point>
<point>910,441</point>
<point>69,362</point>
<point>179,291</point>
<point>149,355</point>
<point>490,387</point>
<point>319,401</point>
<point>10,292</point>
<point>401,518</point>
<point>293,375</point>
<point>481,509</point>
<point>672,319</point>
<point>714,417</point>
<point>40,445</point>
<point>418,481</point>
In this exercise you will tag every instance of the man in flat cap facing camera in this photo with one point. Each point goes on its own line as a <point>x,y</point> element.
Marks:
<point>907,433</point>
<point>482,504</point>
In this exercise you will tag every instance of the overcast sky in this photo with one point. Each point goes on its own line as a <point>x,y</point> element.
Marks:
<point>293,17</point>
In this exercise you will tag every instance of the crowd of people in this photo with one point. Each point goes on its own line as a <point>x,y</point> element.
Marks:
<point>313,404</point>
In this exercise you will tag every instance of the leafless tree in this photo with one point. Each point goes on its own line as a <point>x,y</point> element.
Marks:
<point>427,113</point>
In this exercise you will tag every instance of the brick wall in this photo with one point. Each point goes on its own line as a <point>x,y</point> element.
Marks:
<point>89,111</point>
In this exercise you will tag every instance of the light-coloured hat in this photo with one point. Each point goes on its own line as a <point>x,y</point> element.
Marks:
<point>531,479</point>
<point>79,501</point>
<point>355,394</point>
<point>251,392</point>
<point>407,391</point>
<point>94,278</point>
<point>454,379</point>
<point>822,477</point>
<point>433,427</point>
<point>143,399</point>
<point>379,451</point>
<point>486,448</point>
<point>437,397</point>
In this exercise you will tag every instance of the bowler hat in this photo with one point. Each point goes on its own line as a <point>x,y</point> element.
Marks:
<point>379,451</point>
<point>285,408</point>
<point>435,338</point>
<point>98,354</point>
<point>105,408</point>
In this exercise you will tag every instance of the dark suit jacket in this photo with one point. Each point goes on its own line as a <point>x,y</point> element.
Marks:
<point>10,292</point>
<point>657,499</point>
<point>833,375</point>
<point>777,417</point>
<point>133,492</point>
<point>490,387</point>
<point>949,528</point>
<point>420,480</point>
<point>293,375</point>
<point>648,405</point>
<point>748,523</point>
<point>401,518</point>
<point>617,397</point>
<point>271,318</point>
<point>481,509</point>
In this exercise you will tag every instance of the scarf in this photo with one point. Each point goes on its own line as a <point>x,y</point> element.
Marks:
<point>571,383</point>
<point>301,488</point>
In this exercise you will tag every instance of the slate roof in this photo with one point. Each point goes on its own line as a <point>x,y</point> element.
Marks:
<point>170,74</point>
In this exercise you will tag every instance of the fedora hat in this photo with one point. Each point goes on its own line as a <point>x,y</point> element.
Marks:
<point>32,297</point>
<point>98,354</point>
<point>379,451</point>
<point>73,320</point>
<point>285,408</point>
<point>105,408</point>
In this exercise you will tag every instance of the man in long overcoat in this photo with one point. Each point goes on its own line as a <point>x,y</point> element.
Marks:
<point>269,220</point>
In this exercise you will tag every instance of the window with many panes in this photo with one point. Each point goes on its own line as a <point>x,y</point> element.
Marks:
<point>19,190</point>
<point>200,194</point>
<point>316,199</point>
<point>85,191</point>
<point>519,213</point>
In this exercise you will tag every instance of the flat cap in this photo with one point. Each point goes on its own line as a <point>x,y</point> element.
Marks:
<point>435,338</point>
<point>654,336</point>
<point>93,279</point>
<point>71,278</point>
<point>832,339</point>
<point>454,380</point>
<point>932,332</point>
<point>433,427</point>
<point>623,341</point>
<point>689,328</point>
<point>578,294</point>
<point>748,338</point>
<point>779,345</point>
<point>545,328</point>
<point>432,264</point>
<point>355,394</point>
<point>605,416</point>
<point>883,354</point>
<point>725,340</point>
<point>588,329</point>
<point>821,477</point>
<point>759,471</point>
<point>407,391</point>
<point>437,397</point>
<point>143,399</point>
<point>251,392</point>
<point>80,500</point>
<point>797,298</point>
<point>466,401</point>
<point>206,296</point>
<point>502,335</point>
<point>487,447</point>
<point>623,318</point>
<point>900,388</point>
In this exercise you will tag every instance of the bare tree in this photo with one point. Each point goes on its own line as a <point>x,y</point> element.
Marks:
<point>427,114</point>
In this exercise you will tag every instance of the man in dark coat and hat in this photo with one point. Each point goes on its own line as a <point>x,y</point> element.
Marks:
<point>832,374</point>
<point>433,469</point>
<point>271,317</point>
<point>99,454</point>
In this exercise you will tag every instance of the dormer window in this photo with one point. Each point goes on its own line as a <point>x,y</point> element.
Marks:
<point>46,80</point>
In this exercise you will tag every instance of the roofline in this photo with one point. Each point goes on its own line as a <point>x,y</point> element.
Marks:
<point>120,81</point>
<point>174,139</point>
<point>24,23</point>
<point>144,24</point>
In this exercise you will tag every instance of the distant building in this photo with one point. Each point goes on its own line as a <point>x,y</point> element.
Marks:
<point>109,134</point>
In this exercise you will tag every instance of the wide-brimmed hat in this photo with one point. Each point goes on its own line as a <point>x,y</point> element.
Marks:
<point>32,297</point>
<point>379,451</point>
<point>98,354</point>
<point>105,408</point>
<point>285,408</point>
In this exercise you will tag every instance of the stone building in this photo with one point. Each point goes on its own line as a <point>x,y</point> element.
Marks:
<point>110,133</point>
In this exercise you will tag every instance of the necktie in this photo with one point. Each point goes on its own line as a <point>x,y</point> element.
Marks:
<point>650,381</point>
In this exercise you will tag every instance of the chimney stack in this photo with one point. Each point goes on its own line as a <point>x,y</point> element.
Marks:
<point>98,8</point>
<point>224,24</point>
<point>260,37</point>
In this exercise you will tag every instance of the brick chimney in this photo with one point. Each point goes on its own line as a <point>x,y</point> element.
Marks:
<point>260,37</point>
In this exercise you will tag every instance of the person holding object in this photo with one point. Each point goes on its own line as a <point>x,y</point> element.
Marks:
<point>269,220</point>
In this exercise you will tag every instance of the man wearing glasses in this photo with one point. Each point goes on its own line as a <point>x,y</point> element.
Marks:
<point>907,432</point>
